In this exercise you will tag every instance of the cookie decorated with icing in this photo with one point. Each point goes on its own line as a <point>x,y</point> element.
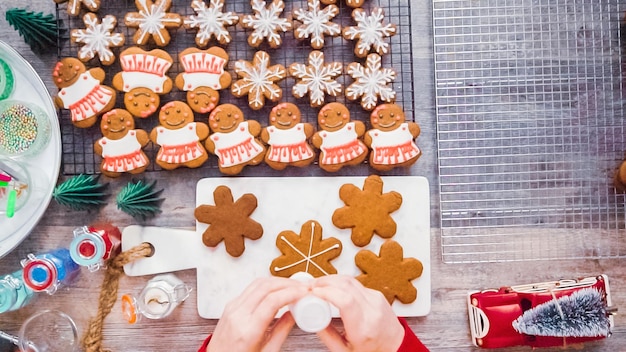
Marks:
<point>287,138</point>
<point>210,22</point>
<point>266,23</point>
<point>143,79</point>
<point>97,38</point>
<point>81,91</point>
<point>179,137</point>
<point>121,146</point>
<point>316,22</point>
<point>258,80</point>
<point>204,75</point>
<point>316,79</point>
<point>152,21</point>
<point>338,138</point>
<point>74,6</point>
<point>371,82</point>
<point>234,140</point>
<point>370,32</point>
<point>391,139</point>
<point>351,3</point>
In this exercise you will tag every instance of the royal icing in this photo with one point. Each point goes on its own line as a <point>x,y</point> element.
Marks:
<point>316,22</point>
<point>393,147</point>
<point>341,146</point>
<point>178,146</point>
<point>236,147</point>
<point>73,6</point>
<point>97,38</point>
<point>202,70</point>
<point>152,19</point>
<point>370,32</point>
<point>266,22</point>
<point>143,70</point>
<point>122,155</point>
<point>370,82</point>
<point>316,79</point>
<point>288,146</point>
<point>211,21</point>
<point>85,98</point>
<point>258,80</point>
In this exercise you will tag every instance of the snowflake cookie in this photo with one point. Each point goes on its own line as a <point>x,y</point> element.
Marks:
<point>316,22</point>
<point>351,3</point>
<point>266,23</point>
<point>97,38</point>
<point>258,80</point>
<point>210,22</point>
<point>316,79</point>
<point>73,6</point>
<point>371,82</point>
<point>369,32</point>
<point>152,21</point>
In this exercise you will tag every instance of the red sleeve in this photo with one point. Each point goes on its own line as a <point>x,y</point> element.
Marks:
<point>410,343</point>
<point>205,344</point>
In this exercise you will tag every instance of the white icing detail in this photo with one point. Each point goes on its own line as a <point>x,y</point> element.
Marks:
<point>211,21</point>
<point>202,70</point>
<point>393,147</point>
<point>316,23</point>
<point>258,80</point>
<point>371,82</point>
<point>199,79</point>
<point>340,146</point>
<point>288,145</point>
<point>180,145</point>
<point>152,18</point>
<point>266,22</point>
<point>134,80</point>
<point>370,31</point>
<point>85,98</point>
<point>316,78</point>
<point>308,258</point>
<point>122,155</point>
<point>97,38</point>
<point>236,147</point>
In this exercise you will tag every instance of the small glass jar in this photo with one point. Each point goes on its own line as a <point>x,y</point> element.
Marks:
<point>46,272</point>
<point>158,299</point>
<point>93,245</point>
<point>14,294</point>
<point>48,331</point>
<point>24,128</point>
<point>311,313</point>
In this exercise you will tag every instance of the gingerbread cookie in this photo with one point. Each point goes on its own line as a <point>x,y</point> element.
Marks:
<point>152,21</point>
<point>287,138</point>
<point>229,221</point>
<point>81,91</point>
<point>351,3</point>
<point>338,138</point>
<point>316,23</point>
<point>371,82</point>
<point>234,139</point>
<point>204,75</point>
<point>370,32</point>
<point>389,272</point>
<point>180,137</point>
<point>74,6</point>
<point>266,23</point>
<point>317,79</point>
<point>305,252</point>
<point>97,38</point>
<point>143,78</point>
<point>367,212</point>
<point>210,22</point>
<point>391,138</point>
<point>619,181</point>
<point>258,80</point>
<point>121,146</point>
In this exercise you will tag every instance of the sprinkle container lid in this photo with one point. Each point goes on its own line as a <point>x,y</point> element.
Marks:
<point>7,80</point>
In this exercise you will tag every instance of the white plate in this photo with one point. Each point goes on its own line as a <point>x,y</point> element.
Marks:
<point>43,167</point>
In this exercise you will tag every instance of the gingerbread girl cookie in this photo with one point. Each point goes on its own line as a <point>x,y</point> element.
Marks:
<point>287,138</point>
<point>81,91</point>
<point>210,22</point>
<point>152,21</point>
<point>338,138</point>
<point>392,138</point>
<point>234,140</point>
<point>179,137</point>
<point>121,146</point>
<point>204,75</point>
<point>143,79</point>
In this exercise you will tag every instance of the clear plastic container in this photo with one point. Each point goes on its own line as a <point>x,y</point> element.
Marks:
<point>14,294</point>
<point>49,331</point>
<point>311,313</point>
<point>15,186</point>
<point>24,128</point>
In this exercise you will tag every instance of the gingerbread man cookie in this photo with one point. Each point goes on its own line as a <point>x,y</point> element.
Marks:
<point>391,138</point>
<point>81,91</point>
<point>74,6</point>
<point>266,23</point>
<point>204,75</point>
<point>210,22</point>
<point>152,21</point>
<point>121,146</point>
<point>179,137</point>
<point>97,38</point>
<point>287,138</point>
<point>234,139</point>
<point>143,78</point>
<point>316,23</point>
<point>338,138</point>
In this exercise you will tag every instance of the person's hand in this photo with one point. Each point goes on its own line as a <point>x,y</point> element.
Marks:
<point>245,321</point>
<point>368,320</point>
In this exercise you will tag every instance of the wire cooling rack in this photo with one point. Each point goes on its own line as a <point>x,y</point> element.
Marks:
<point>530,119</point>
<point>78,156</point>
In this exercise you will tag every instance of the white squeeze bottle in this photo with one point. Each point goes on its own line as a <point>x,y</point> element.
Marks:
<point>311,313</point>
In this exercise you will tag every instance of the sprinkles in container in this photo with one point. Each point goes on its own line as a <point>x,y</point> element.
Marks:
<point>24,128</point>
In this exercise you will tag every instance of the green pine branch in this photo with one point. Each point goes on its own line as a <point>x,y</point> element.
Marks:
<point>81,192</point>
<point>39,31</point>
<point>140,200</point>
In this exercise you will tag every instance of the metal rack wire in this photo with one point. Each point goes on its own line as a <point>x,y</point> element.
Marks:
<point>530,119</point>
<point>78,156</point>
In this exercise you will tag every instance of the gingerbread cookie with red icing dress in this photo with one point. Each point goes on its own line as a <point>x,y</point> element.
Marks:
<point>81,91</point>
<point>234,139</point>
<point>392,138</point>
<point>204,76</point>
<point>287,138</point>
<point>179,137</point>
<point>121,146</point>
<point>143,79</point>
<point>338,138</point>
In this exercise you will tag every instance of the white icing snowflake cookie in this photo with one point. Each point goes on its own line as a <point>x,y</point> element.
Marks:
<point>370,33</point>
<point>351,3</point>
<point>211,22</point>
<point>97,38</point>
<point>266,23</point>
<point>152,21</point>
<point>371,82</point>
<point>258,80</point>
<point>316,79</point>
<point>316,22</point>
<point>73,6</point>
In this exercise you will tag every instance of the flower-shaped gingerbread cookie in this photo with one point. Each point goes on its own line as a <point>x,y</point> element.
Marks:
<point>305,252</point>
<point>229,221</point>
<point>351,3</point>
<point>316,79</point>
<point>367,212</point>
<point>74,6</point>
<point>180,137</point>
<point>389,272</point>
<point>266,23</point>
<point>371,82</point>
<point>316,23</point>
<point>152,21</point>
<point>121,146</point>
<point>143,78</point>
<point>391,138</point>
<point>210,22</point>
<point>287,138</point>
<point>204,75</point>
<point>81,91</point>
<point>258,80</point>
<point>338,138</point>
<point>234,139</point>
<point>97,38</point>
<point>370,32</point>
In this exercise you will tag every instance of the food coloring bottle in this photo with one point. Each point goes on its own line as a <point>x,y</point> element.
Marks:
<point>46,272</point>
<point>156,300</point>
<point>14,294</point>
<point>93,245</point>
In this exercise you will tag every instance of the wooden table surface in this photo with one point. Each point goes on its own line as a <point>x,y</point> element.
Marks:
<point>444,329</point>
